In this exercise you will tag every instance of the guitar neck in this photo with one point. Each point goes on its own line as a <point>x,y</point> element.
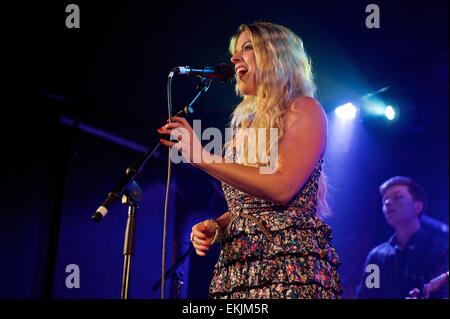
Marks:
<point>437,283</point>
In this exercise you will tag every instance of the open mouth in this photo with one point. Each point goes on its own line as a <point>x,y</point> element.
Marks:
<point>241,72</point>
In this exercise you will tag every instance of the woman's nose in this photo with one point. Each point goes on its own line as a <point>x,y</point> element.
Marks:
<point>235,58</point>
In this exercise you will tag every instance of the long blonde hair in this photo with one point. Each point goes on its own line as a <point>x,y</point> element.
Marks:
<point>284,73</point>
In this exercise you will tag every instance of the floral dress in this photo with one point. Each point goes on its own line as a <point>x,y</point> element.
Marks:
<point>273,251</point>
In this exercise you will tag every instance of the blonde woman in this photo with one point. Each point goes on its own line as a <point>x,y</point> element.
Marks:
<point>274,241</point>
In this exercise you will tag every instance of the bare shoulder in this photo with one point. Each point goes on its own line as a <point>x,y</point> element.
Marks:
<point>308,109</point>
<point>305,134</point>
<point>306,104</point>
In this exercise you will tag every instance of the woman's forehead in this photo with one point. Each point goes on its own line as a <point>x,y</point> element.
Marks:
<point>243,37</point>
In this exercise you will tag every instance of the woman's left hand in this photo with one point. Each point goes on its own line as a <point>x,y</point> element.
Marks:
<point>188,143</point>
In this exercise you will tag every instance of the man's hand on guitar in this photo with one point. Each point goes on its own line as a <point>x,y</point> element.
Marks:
<point>415,294</point>
<point>434,285</point>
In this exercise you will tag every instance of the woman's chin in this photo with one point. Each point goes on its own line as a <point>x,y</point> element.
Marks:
<point>245,91</point>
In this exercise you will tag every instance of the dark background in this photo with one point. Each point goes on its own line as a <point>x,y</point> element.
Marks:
<point>80,105</point>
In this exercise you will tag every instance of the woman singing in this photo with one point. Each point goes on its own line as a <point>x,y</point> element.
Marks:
<point>274,241</point>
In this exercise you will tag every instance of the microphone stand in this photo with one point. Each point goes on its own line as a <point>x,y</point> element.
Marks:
<point>133,195</point>
<point>172,272</point>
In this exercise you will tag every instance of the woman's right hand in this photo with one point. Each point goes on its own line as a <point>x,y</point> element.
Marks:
<point>202,235</point>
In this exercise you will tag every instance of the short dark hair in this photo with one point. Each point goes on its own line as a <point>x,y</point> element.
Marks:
<point>415,189</point>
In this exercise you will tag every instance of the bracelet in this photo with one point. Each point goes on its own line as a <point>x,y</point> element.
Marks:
<point>217,233</point>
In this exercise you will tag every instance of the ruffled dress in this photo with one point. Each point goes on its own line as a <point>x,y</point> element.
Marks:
<point>276,252</point>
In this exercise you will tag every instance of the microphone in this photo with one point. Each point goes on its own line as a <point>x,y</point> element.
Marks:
<point>222,72</point>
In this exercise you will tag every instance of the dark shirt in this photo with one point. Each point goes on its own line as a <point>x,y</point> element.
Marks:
<point>402,270</point>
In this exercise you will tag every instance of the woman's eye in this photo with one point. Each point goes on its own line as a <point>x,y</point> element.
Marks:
<point>248,47</point>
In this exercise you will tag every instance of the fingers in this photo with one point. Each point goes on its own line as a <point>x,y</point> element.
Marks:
<point>183,139</point>
<point>200,253</point>
<point>197,233</point>
<point>167,143</point>
<point>167,129</point>
<point>414,294</point>
<point>199,240</point>
<point>181,120</point>
<point>200,246</point>
<point>415,291</point>
<point>176,133</point>
<point>207,226</point>
<point>172,125</point>
<point>177,122</point>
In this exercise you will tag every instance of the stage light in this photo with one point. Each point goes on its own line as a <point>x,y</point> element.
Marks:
<point>346,111</point>
<point>377,109</point>
<point>389,112</point>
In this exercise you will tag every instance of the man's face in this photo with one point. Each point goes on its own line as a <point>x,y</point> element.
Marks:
<point>399,206</point>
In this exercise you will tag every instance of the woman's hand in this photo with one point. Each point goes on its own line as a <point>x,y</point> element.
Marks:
<point>202,235</point>
<point>188,142</point>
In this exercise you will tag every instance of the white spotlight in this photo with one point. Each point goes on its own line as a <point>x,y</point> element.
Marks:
<point>389,112</point>
<point>346,111</point>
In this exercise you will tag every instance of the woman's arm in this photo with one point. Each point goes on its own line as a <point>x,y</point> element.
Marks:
<point>303,144</point>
